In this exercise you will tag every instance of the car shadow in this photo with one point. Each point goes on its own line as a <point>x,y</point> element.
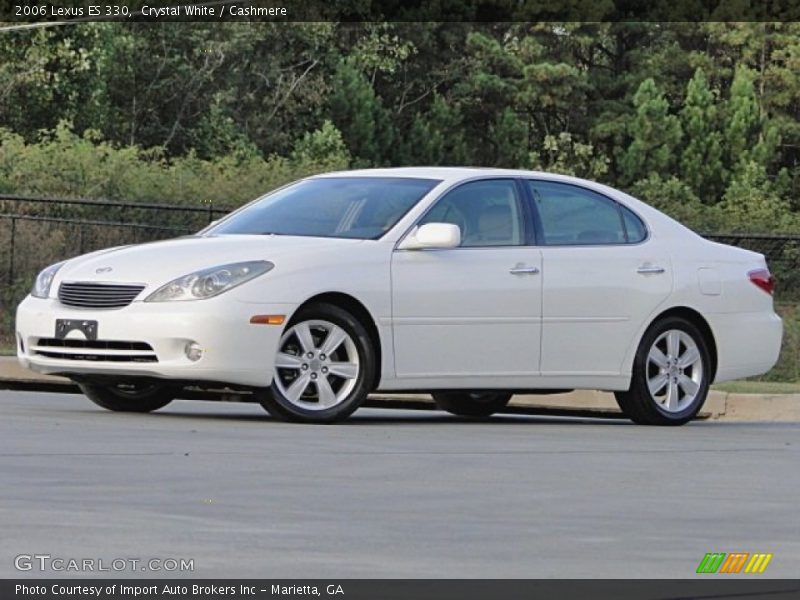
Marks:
<point>394,416</point>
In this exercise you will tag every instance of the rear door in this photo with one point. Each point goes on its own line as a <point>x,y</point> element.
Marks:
<point>602,278</point>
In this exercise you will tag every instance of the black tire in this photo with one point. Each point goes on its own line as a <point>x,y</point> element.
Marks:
<point>471,404</point>
<point>140,398</point>
<point>639,405</point>
<point>281,407</point>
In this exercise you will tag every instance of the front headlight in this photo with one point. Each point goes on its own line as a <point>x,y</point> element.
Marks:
<point>41,287</point>
<point>209,282</point>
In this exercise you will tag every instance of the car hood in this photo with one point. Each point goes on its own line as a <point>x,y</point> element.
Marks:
<point>160,262</point>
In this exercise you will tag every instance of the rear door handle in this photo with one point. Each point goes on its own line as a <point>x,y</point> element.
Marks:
<point>650,270</point>
<point>523,270</point>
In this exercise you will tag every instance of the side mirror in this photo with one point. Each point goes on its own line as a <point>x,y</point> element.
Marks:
<point>433,235</point>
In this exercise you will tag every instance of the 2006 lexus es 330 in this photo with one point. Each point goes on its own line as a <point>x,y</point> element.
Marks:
<point>471,284</point>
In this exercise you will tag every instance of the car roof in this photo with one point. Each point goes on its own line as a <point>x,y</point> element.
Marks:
<point>449,173</point>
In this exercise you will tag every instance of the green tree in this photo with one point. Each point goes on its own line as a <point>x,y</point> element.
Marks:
<point>436,137</point>
<point>508,138</point>
<point>701,160</point>
<point>361,117</point>
<point>49,75</point>
<point>202,103</point>
<point>564,154</point>
<point>754,202</point>
<point>655,135</point>
<point>673,197</point>
<point>323,147</point>
<point>743,133</point>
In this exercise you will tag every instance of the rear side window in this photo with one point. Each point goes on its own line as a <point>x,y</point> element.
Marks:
<point>573,216</point>
<point>634,227</point>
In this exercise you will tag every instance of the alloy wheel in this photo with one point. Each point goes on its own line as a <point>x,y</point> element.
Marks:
<point>674,370</point>
<point>317,365</point>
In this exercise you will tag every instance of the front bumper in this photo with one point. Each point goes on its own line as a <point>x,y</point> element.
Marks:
<point>234,350</point>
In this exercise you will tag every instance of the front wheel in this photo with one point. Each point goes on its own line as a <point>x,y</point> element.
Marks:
<point>130,397</point>
<point>670,375</point>
<point>324,367</point>
<point>471,404</point>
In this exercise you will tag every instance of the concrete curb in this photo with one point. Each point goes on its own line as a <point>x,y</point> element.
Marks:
<point>722,406</point>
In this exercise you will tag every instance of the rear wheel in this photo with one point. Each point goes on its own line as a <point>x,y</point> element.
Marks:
<point>670,375</point>
<point>131,397</point>
<point>471,404</point>
<point>324,367</point>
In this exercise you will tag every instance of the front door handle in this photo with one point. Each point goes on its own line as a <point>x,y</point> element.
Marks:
<point>650,270</point>
<point>523,270</point>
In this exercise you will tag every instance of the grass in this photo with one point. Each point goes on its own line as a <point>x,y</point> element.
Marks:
<point>758,387</point>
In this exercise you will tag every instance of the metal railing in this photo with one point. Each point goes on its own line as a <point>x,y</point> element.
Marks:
<point>36,231</point>
<point>81,226</point>
<point>46,203</point>
<point>84,221</point>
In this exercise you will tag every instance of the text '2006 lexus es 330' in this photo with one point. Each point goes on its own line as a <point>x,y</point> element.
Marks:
<point>471,284</point>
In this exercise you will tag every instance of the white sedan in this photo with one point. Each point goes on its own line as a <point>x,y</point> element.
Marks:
<point>470,284</point>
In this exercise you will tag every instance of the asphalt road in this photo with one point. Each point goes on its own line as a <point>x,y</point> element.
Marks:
<point>390,493</point>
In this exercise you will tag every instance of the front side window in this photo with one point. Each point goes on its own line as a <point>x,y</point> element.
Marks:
<point>572,216</point>
<point>344,207</point>
<point>487,212</point>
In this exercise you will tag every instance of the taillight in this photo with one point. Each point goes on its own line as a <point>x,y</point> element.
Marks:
<point>763,279</point>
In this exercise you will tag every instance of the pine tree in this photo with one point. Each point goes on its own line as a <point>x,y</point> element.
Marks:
<point>361,117</point>
<point>436,137</point>
<point>752,142</point>
<point>509,138</point>
<point>743,118</point>
<point>655,136</point>
<point>701,160</point>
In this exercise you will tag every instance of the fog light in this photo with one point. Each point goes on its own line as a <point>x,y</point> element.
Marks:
<point>193,351</point>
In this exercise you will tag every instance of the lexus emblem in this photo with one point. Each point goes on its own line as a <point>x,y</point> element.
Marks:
<point>103,270</point>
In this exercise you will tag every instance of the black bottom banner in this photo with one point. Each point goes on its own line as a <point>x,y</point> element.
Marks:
<point>400,589</point>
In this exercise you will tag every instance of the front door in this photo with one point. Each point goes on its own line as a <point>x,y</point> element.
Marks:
<point>472,311</point>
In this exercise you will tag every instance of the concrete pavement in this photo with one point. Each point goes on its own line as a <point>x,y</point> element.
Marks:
<point>390,493</point>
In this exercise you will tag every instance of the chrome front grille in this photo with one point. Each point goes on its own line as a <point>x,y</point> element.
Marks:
<point>95,350</point>
<point>98,295</point>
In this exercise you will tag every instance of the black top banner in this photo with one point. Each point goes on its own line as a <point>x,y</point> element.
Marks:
<point>394,589</point>
<point>57,11</point>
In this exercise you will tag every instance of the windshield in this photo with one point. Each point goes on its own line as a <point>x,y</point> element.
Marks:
<point>345,207</point>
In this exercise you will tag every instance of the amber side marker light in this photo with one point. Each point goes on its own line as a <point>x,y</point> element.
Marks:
<point>267,319</point>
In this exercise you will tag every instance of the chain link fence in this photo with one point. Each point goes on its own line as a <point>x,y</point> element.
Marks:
<point>36,232</point>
